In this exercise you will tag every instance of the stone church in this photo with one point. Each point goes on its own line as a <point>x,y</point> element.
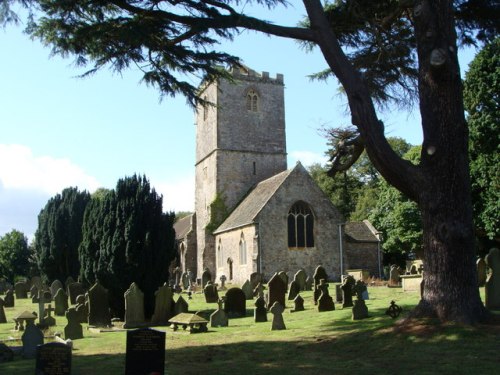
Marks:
<point>252,214</point>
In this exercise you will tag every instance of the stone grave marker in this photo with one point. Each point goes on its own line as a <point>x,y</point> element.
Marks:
<point>99,314</point>
<point>21,290</point>
<point>259,290</point>
<point>492,286</point>
<point>294,290</point>
<point>53,358</point>
<point>69,280</point>
<point>235,303</point>
<point>185,281</point>
<point>9,298</point>
<point>222,279</point>
<point>284,277</point>
<point>177,283</point>
<point>309,283</point>
<point>60,302</point>
<point>134,307</point>
<point>247,289</point>
<point>260,311</point>
<point>347,290</point>
<point>36,281</point>
<point>219,317</point>
<point>394,310</point>
<point>481,271</point>
<point>277,310</point>
<point>3,318</point>
<point>32,337</point>
<point>394,275</point>
<point>319,273</point>
<point>181,306</point>
<point>338,292</point>
<point>74,290</point>
<point>48,319</point>
<point>55,286</point>
<point>145,352</point>
<point>211,293</point>
<point>47,296</point>
<point>73,329</point>
<point>163,305</point>
<point>206,276</point>
<point>34,294</point>
<point>277,290</point>
<point>300,278</point>
<point>298,304</point>
<point>82,308</point>
<point>359,310</point>
<point>325,301</point>
<point>255,278</point>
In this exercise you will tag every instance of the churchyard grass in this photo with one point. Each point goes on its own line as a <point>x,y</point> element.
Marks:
<point>313,343</point>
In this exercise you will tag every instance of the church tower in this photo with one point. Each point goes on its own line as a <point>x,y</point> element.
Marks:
<point>240,141</point>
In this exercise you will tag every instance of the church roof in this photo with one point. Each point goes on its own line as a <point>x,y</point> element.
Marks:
<point>248,209</point>
<point>360,231</point>
<point>182,227</point>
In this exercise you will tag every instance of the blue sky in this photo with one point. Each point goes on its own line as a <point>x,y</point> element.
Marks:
<point>58,130</point>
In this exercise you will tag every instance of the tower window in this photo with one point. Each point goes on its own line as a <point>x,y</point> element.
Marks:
<point>300,226</point>
<point>252,101</point>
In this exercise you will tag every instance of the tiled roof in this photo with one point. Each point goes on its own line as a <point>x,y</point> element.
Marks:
<point>360,231</point>
<point>182,227</point>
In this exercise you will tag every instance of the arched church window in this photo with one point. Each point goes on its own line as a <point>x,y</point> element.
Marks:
<point>220,262</point>
<point>243,250</point>
<point>300,226</point>
<point>252,101</point>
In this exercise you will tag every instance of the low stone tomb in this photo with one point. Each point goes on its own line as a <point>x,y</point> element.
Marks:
<point>73,329</point>
<point>278,323</point>
<point>219,317</point>
<point>411,283</point>
<point>247,289</point>
<point>298,304</point>
<point>235,303</point>
<point>260,311</point>
<point>359,274</point>
<point>190,322</point>
<point>145,352</point>
<point>211,293</point>
<point>3,318</point>
<point>31,338</point>
<point>25,318</point>
<point>492,286</point>
<point>53,358</point>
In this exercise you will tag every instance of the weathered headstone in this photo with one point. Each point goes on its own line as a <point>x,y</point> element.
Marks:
<point>73,329</point>
<point>492,286</point>
<point>359,310</point>
<point>99,314</point>
<point>394,275</point>
<point>235,303</point>
<point>319,273</point>
<point>145,352</point>
<point>325,301</point>
<point>55,286</point>
<point>298,303</point>
<point>53,358</point>
<point>47,296</point>
<point>181,306</point>
<point>36,281</point>
<point>347,290</point>
<point>32,337</point>
<point>222,279</point>
<point>74,290</point>
<point>338,292</point>
<point>255,278</point>
<point>69,280</point>
<point>82,308</point>
<point>293,290</point>
<point>247,289</point>
<point>34,294</point>
<point>260,311</point>
<point>163,306</point>
<point>481,271</point>
<point>3,318</point>
<point>259,290</point>
<point>60,302</point>
<point>21,290</point>
<point>134,307</point>
<point>9,298</point>
<point>277,290</point>
<point>206,276</point>
<point>300,278</point>
<point>184,281</point>
<point>309,283</point>
<point>177,280</point>
<point>284,277</point>
<point>48,319</point>
<point>211,293</point>
<point>219,317</point>
<point>277,310</point>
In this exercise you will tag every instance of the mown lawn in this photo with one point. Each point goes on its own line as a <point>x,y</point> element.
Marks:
<point>314,343</point>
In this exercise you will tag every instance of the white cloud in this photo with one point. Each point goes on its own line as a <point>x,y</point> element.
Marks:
<point>177,195</point>
<point>307,158</point>
<point>20,169</point>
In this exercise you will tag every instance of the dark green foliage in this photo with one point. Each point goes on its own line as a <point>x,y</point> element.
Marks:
<point>127,238</point>
<point>482,102</point>
<point>218,213</point>
<point>14,255</point>
<point>59,234</point>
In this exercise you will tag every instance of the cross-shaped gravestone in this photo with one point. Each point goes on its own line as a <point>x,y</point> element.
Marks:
<point>223,279</point>
<point>277,311</point>
<point>492,286</point>
<point>49,320</point>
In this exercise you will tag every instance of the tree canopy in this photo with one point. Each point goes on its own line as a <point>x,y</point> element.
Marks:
<point>14,255</point>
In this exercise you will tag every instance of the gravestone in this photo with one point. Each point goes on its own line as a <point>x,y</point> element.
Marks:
<point>74,290</point>
<point>47,296</point>
<point>277,290</point>
<point>184,281</point>
<point>255,278</point>
<point>36,281</point>
<point>181,306</point>
<point>55,286</point>
<point>309,283</point>
<point>359,310</point>
<point>48,319</point>
<point>222,279</point>
<point>134,307</point>
<point>163,305</point>
<point>492,286</point>
<point>210,292</point>
<point>219,317</point>
<point>347,290</point>
<point>32,337</point>
<point>3,318</point>
<point>145,352</point>
<point>69,280</point>
<point>73,329</point>
<point>60,302</point>
<point>21,290</point>
<point>394,275</point>
<point>9,298</point>
<point>82,308</point>
<point>34,294</point>
<point>300,278</point>
<point>206,276</point>
<point>284,277</point>
<point>394,310</point>
<point>338,292</point>
<point>278,323</point>
<point>481,271</point>
<point>293,291</point>
<point>258,290</point>
<point>298,304</point>
<point>325,301</point>
<point>247,289</point>
<point>99,314</point>
<point>177,283</point>
<point>319,273</point>
<point>260,311</point>
<point>235,303</point>
<point>53,358</point>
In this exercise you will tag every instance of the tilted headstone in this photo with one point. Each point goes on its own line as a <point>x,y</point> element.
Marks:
<point>32,337</point>
<point>164,305</point>
<point>145,352</point>
<point>277,290</point>
<point>206,276</point>
<point>300,278</point>
<point>219,317</point>
<point>481,271</point>
<point>74,290</point>
<point>55,286</point>
<point>60,302</point>
<point>21,290</point>
<point>247,289</point>
<point>211,293</point>
<point>99,314</point>
<point>284,277</point>
<point>277,310</point>
<point>492,286</point>
<point>319,273</point>
<point>3,318</point>
<point>134,307</point>
<point>9,298</point>
<point>298,303</point>
<point>235,303</point>
<point>73,329</point>
<point>53,358</point>
<point>293,290</point>
<point>260,311</point>
<point>347,291</point>
<point>181,306</point>
<point>325,301</point>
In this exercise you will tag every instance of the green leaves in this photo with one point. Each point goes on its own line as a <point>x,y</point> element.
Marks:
<point>14,255</point>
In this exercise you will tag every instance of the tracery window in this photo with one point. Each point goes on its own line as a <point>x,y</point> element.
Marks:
<point>243,250</point>
<point>252,101</point>
<point>300,226</point>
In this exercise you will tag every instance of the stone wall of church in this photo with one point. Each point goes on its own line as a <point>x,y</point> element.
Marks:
<point>361,255</point>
